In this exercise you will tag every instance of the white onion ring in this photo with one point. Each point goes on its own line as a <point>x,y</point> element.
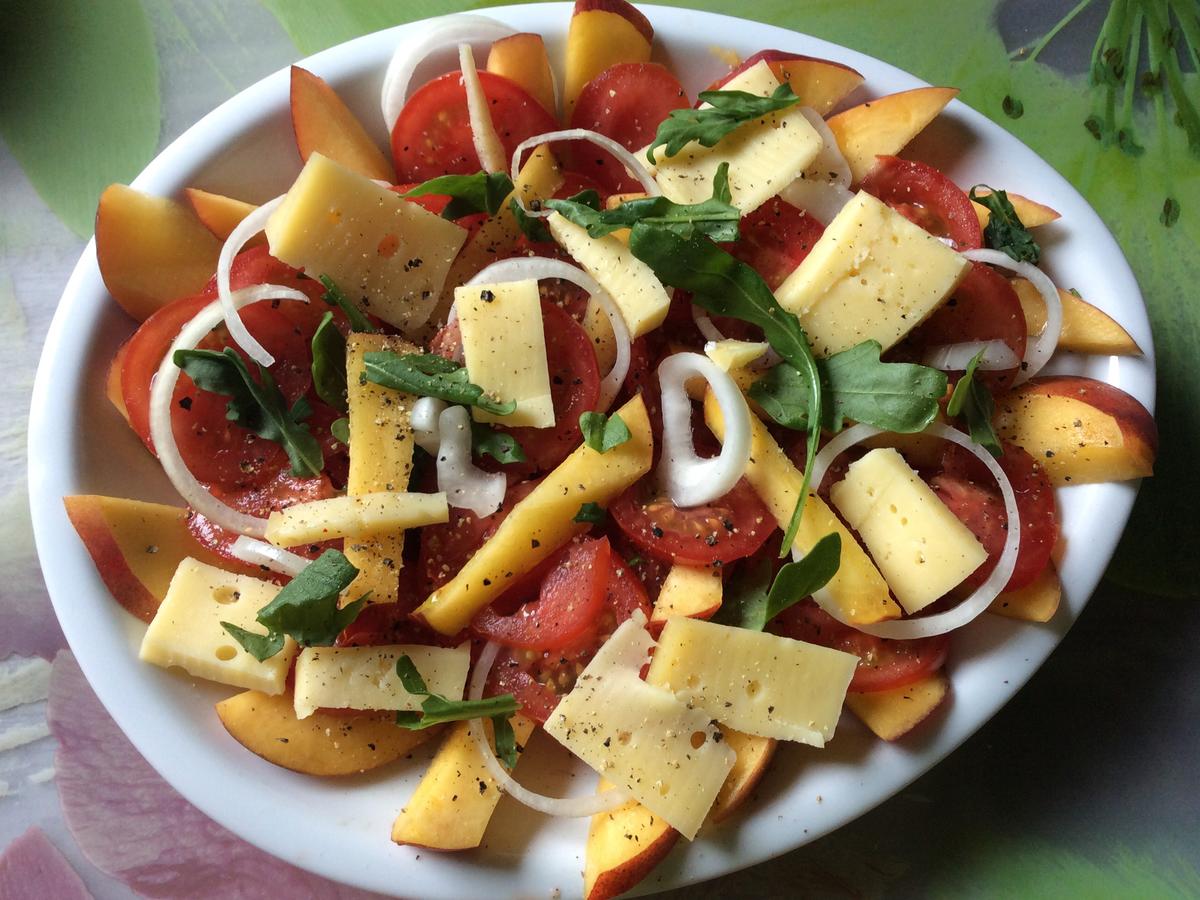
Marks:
<point>997,356</point>
<point>483,130</point>
<point>1038,350</point>
<point>162,391</point>
<point>436,34</point>
<point>705,325</point>
<point>632,164</point>
<point>260,553</point>
<point>823,196</point>
<point>688,479</point>
<point>465,485</point>
<point>539,267</point>
<point>424,419</point>
<point>246,229</point>
<point>979,599</point>
<point>564,807</point>
<point>830,158</point>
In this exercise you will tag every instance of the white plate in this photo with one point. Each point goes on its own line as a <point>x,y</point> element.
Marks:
<point>340,828</point>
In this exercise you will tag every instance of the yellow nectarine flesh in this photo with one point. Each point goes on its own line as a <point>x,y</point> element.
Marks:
<point>884,127</point>
<point>893,714</point>
<point>1085,328</point>
<point>324,124</point>
<point>623,847</point>
<point>521,58</point>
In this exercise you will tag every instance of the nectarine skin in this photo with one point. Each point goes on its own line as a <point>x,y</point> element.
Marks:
<point>883,127</point>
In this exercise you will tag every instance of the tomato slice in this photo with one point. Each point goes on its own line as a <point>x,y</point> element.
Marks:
<point>730,528</point>
<point>625,102</point>
<point>883,663</point>
<point>776,238</point>
<point>568,603</point>
<point>922,194</point>
<point>432,135</point>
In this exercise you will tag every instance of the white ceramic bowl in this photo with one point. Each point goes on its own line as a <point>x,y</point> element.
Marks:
<point>340,828</point>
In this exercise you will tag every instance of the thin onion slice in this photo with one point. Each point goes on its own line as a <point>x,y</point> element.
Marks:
<point>688,479</point>
<point>564,807</point>
<point>162,391</point>
<point>997,356</point>
<point>705,325</point>
<point>632,164</point>
<point>238,238</point>
<point>539,267</point>
<point>424,419</point>
<point>1038,350</point>
<point>436,34</point>
<point>466,486</point>
<point>260,553</point>
<point>483,130</point>
<point>824,196</point>
<point>979,599</point>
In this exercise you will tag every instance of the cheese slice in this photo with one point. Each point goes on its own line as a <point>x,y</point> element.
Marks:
<point>186,630</point>
<point>731,355</point>
<point>363,515</point>
<point>764,156</point>
<point>667,755</point>
<point>387,255</point>
<point>365,677</point>
<point>504,346</point>
<point>688,591</point>
<point>756,682</point>
<point>872,275</point>
<point>919,545</point>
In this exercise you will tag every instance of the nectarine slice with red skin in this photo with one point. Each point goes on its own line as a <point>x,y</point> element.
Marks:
<point>221,214</point>
<point>883,127</point>
<point>324,124</point>
<point>819,83</point>
<point>1030,212</point>
<point>1036,602</point>
<point>602,33</point>
<point>754,755</point>
<point>893,714</point>
<point>1085,328</point>
<point>522,58</point>
<point>112,382</point>
<point>623,847</point>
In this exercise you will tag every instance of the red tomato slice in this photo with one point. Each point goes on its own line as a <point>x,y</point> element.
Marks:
<point>776,238</point>
<point>883,663</point>
<point>971,493</point>
<point>625,102</point>
<point>922,194</point>
<point>432,136</point>
<point>730,528</point>
<point>568,603</point>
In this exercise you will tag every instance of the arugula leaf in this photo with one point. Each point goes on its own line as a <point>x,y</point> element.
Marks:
<point>307,606</point>
<point>436,709</point>
<point>329,363</point>
<point>715,217</point>
<point>260,646</point>
<point>750,603</point>
<point>430,375</point>
<point>592,513</point>
<point>257,407</point>
<point>506,741</point>
<point>469,194</point>
<point>1004,230</point>
<point>972,400</point>
<point>487,441</point>
<point>334,297</point>
<point>726,286</point>
<point>901,397</point>
<point>533,227</point>
<point>601,432</point>
<point>340,429</point>
<point>728,110</point>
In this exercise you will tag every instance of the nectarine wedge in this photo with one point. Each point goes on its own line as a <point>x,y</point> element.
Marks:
<point>325,743</point>
<point>1085,328</point>
<point>1036,602</point>
<point>1030,212</point>
<point>112,382</point>
<point>521,58</point>
<point>754,754</point>
<point>602,33</point>
<point>324,124</point>
<point>893,714</point>
<point>151,250</point>
<point>819,83</point>
<point>690,591</point>
<point>221,214</point>
<point>623,847</point>
<point>884,127</point>
<point>1081,430</point>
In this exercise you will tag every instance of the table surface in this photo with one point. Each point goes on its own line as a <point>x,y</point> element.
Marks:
<point>1082,785</point>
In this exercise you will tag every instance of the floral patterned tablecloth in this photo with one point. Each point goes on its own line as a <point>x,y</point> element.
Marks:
<point>1082,786</point>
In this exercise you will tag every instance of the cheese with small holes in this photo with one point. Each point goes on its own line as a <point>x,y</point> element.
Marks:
<point>365,677</point>
<point>872,275</point>
<point>186,631</point>
<point>919,545</point>
<point>667,755</point>
<point>764,156</point>
<point>504,346</point>
<point>382,513</point>
<point>632,284</point>
<point>389,256</point>
<point>756,682</point>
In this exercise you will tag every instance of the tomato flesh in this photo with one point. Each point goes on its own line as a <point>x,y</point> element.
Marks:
<point>775,239</point>
<point>922,194</point>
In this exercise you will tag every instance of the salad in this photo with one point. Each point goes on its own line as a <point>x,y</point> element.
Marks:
<point>669,425</point>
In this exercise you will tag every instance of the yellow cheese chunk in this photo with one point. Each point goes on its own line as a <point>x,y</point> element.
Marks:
<point>857,589</point>
<point>363,515</point>
<point>922,548</point>
<point>504,346</point>
<point>764,156</point>
<point>632,284</point>
<point>365,677</point>
<point>186,630</point>
<point>543,522</point>
<point>667,755</point>
<point>688,591</point>
<point>387,255</point>
<point>872,275</point>
<point>756,682</point>
<point>731,355</point>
